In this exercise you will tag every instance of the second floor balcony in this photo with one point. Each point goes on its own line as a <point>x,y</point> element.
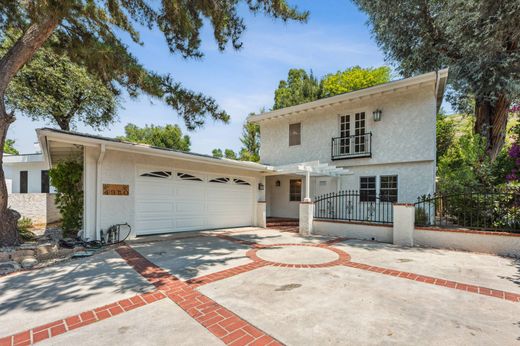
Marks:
<point>351,147</point>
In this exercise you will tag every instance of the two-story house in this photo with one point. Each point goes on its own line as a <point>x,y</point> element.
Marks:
<point>383,136</point>
<point>380,141</point>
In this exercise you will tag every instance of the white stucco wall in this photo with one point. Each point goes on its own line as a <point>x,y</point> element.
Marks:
<point>405,133</point>
<point>39,207</point>
<point>12,172</point>
<point>381,233</point>
<point>120,167</point>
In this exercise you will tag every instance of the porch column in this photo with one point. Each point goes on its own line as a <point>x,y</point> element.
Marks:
<point>306,208</point>
<point>307,186</point>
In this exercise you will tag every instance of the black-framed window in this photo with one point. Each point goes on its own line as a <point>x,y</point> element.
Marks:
<point>367,189</point>
<point>295,190</point>
<point>388,191</point>
<point>23,181</point>
<point>45,181</point>
<point>295,134</point>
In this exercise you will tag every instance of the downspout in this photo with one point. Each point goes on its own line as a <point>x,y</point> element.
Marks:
<point>99,189</point>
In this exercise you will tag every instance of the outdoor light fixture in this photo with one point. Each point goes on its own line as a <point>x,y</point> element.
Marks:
<point>260,186</point>
<point>278,183</point>
<point>377,114</point>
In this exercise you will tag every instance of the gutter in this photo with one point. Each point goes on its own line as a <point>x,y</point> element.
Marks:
<point>99,191</point>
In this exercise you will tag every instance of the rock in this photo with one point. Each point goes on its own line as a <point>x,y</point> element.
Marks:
<point>28,246</point>
<point>47,248</point>
<point>54,234</point>
<point>19,255</point>
<point>29,262</point>
<point>5,256</point>
<point>8,267</point>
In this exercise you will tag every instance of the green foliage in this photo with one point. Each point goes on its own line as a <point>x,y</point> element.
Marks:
<point>89,33</point>
<point>477,40</point>
<point>217,153</point>
<point>354,78</point>
<point>66,177</point>
<point>301,87</point>
<point>169,136</point>
<point>445,134</point>
<point>9,147</point>
<point>53,88</point>
<point>251,145</point>
<point>24,229</point>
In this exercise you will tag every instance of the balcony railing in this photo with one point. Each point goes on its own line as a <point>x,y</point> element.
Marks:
<point>352,147</point>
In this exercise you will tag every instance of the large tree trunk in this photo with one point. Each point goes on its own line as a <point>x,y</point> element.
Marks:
<point>18,55</point>
<point>491,122</point>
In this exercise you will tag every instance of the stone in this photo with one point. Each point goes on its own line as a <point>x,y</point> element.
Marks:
<point>5,256</point>
<point>54,234</point>
<point>8,267</point>
<point>29,262</point>
<point>18,255</point>
<point>47,248</point>
<point>28,246</point>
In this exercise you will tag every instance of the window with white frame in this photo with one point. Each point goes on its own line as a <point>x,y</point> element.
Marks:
<point>367,189</point>
<point>388,188</point>
<point>359,128</point>
<point>344,133</point>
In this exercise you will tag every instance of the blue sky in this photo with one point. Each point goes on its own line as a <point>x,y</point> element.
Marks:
<point>334,38</point>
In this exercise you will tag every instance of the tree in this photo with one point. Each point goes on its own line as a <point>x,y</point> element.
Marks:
<point>445,134</point>
<point>9,147</point>
<point>169,136</point>
<point>251,145</point>
<point>477,40</point>
<point>87,32</point>
<point>52,87</point>
<point>301,87</point>
<point>354,78</point>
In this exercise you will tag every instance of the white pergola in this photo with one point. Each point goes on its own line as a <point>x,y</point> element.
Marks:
<point>308,169</point>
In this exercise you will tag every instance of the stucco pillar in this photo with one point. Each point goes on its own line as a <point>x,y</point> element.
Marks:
<point>404,224</point>
<point>306,217</point>
<point>307,187</point>
<point>261,215</point>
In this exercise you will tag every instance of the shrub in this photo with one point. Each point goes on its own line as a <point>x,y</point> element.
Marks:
<point>24,229</point>
<point>66,177</point>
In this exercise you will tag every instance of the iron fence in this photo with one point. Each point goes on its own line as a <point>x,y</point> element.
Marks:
<point>491,210</point>
<point>351,147</point>
<point>352,205</point>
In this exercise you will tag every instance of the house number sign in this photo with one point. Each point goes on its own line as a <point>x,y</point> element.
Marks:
<point>115,189</point>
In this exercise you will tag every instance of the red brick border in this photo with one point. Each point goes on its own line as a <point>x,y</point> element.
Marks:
<point>58,327</point>
<point>221,322</point>
<point>514,297</point>
<point>468,231</point>
<point>343,257</point>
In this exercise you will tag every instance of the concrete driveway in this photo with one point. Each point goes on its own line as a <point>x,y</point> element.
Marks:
<point>265,287</point>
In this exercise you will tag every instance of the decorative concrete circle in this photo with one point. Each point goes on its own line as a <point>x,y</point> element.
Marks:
<point>298,255</point>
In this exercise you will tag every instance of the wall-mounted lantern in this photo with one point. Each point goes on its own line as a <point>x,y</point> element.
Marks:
<point>260,186</point>
<point>278,183</point>
<point>377,114</point>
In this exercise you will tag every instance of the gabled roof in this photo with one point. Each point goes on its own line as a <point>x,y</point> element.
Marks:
<point>439,79</point>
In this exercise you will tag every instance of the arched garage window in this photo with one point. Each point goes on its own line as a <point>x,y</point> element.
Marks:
<point>221,180</point>
<point>186,176</point>
<point>241,182</point>
<point>157,174</point>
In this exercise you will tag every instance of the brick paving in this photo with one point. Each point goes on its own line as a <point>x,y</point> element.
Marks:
<point>221,322</point>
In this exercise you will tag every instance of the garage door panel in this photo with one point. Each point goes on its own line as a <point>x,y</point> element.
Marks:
<point>173,205</point>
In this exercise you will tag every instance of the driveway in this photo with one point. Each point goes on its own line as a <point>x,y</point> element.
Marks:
<point>265,287</point>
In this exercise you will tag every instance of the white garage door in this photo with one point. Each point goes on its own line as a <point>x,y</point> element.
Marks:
<point>170,201</point>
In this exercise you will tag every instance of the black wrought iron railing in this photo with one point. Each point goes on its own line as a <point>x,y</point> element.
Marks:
<point>493,211</point>
<point>353,205</point>
<point>351,147</point>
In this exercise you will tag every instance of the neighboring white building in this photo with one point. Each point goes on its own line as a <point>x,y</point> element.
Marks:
<point>28,186</point>
<point>158,190</point>
<point>385,136</point>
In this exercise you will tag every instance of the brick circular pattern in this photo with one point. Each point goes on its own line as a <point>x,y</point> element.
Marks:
<point>342,256</point>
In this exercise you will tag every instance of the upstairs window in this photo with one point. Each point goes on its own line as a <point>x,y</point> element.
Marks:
<point>295,134</point>
<point>45,182</point>
<point>367,189</point>
<point>360,139</point>
<point>388,190</point>
<point>295,190</point>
